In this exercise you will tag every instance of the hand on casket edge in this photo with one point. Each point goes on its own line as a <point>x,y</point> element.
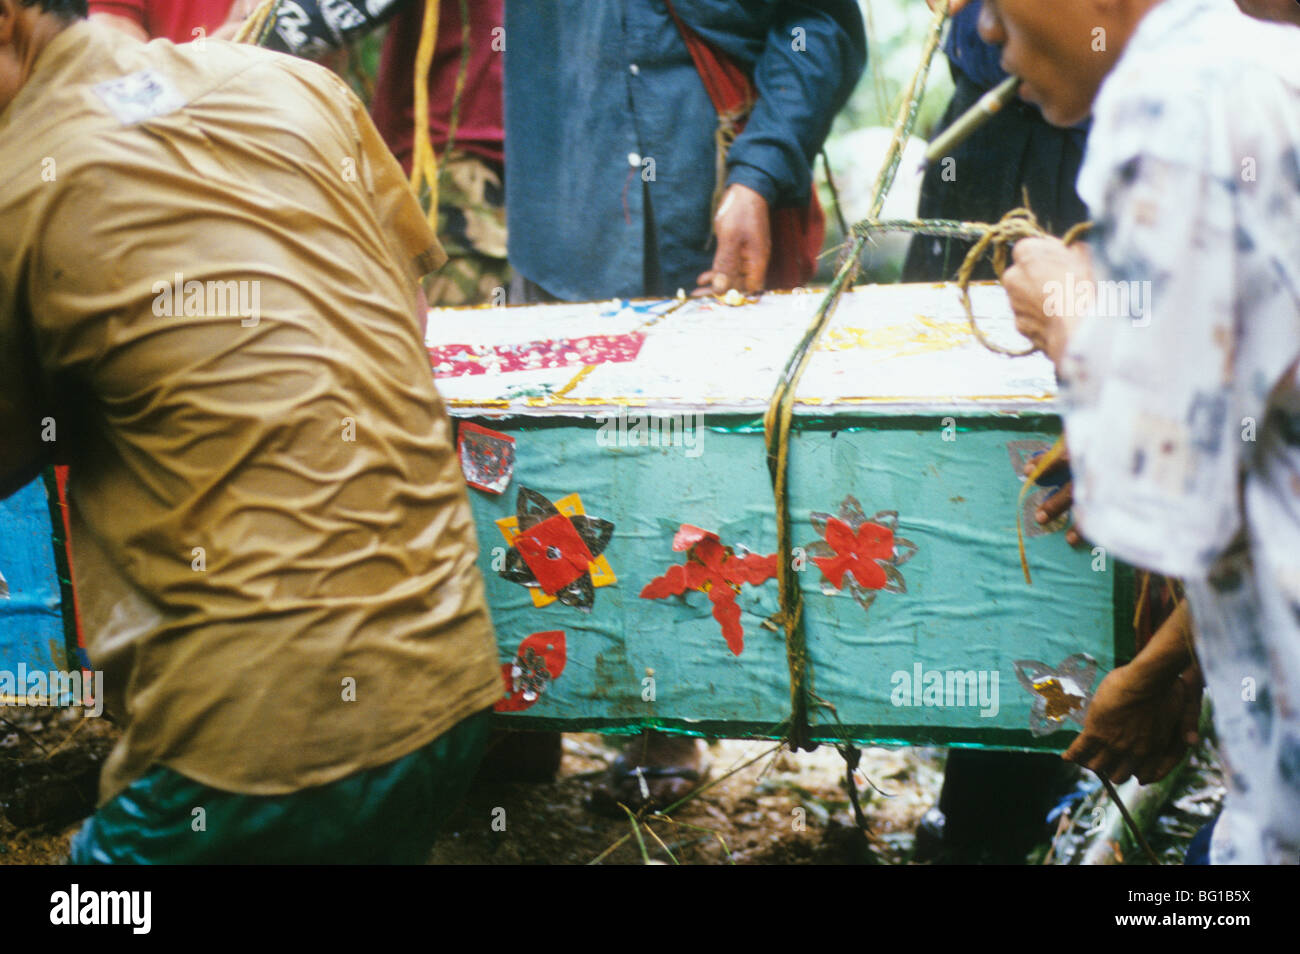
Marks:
<point>1144,715</point>
<point>1060,500</point>
<point>744,232</point>
<point>1138,730</point>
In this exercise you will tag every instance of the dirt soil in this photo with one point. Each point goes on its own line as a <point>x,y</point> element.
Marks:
<point>781,809</point>
<point>49,772</point>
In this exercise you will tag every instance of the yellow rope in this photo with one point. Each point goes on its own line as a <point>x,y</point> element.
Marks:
<point>1031,481</point>
<point>462,74</point>
<point>1142,597</point>
<point>723,138</point>
<point>251,30</point>
<point>1011,228</point>
<point>780,411</point>
<point>424,165</point>
<point>1000,237</point>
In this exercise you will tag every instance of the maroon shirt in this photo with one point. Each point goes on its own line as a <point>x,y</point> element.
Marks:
<point>480,128</point>
<point>174,19</point>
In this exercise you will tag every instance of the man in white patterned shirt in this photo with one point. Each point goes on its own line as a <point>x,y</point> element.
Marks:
<point>1176,334</point>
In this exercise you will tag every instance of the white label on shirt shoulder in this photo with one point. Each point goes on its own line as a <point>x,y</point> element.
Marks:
<point>139,96</point>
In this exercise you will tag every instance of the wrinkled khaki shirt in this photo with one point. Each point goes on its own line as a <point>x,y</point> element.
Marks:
<point>207,266</point>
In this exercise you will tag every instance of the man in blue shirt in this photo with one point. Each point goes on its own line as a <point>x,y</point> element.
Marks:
<point>611,154</point>
<point>612,166</point>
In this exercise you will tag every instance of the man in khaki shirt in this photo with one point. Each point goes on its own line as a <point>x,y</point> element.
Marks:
<point>208,266</point>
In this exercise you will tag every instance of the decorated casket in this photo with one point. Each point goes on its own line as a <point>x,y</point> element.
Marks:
<point>627,524</point>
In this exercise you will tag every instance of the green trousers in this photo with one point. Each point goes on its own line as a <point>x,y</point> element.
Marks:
<point>388,814</point>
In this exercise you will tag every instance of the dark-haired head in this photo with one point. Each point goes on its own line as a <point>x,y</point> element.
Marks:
<point>26,28</point>
<point>68,9</point>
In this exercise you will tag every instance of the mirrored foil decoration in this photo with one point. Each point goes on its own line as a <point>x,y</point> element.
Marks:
<point>538,662</point>
<point>556,550</point>
<point>859,553</point>
<point>1059,694</point>
<point>716,570</point>
<point>487,457</point>
<point>1021,453</point>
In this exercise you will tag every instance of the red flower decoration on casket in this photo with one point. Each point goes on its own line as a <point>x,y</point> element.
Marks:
<point>555,552</point>
<point>860,553</point>
<point>716,570</point>
<point>857,553</point>
<point>538,662</point>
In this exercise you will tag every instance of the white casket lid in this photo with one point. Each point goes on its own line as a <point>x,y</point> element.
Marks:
<point>889,349</point>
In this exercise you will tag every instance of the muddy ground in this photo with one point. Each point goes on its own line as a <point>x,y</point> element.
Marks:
<point>781,809</point>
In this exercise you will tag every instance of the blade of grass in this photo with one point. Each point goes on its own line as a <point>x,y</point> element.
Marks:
<point>662,845</point>
<point>636,831</point>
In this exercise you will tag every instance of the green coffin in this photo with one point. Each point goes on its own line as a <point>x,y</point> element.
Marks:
<point>905,462</point>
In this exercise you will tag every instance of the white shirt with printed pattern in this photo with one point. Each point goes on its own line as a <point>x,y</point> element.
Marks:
<point>1181,390</point>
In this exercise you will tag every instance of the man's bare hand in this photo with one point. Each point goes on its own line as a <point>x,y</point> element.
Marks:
<point>1137,727</point>
<point>1060,500</point>
<point>744,231</point>
<point>1040,265</point>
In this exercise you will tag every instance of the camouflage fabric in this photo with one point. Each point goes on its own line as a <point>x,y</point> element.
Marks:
<point>472,227</point>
